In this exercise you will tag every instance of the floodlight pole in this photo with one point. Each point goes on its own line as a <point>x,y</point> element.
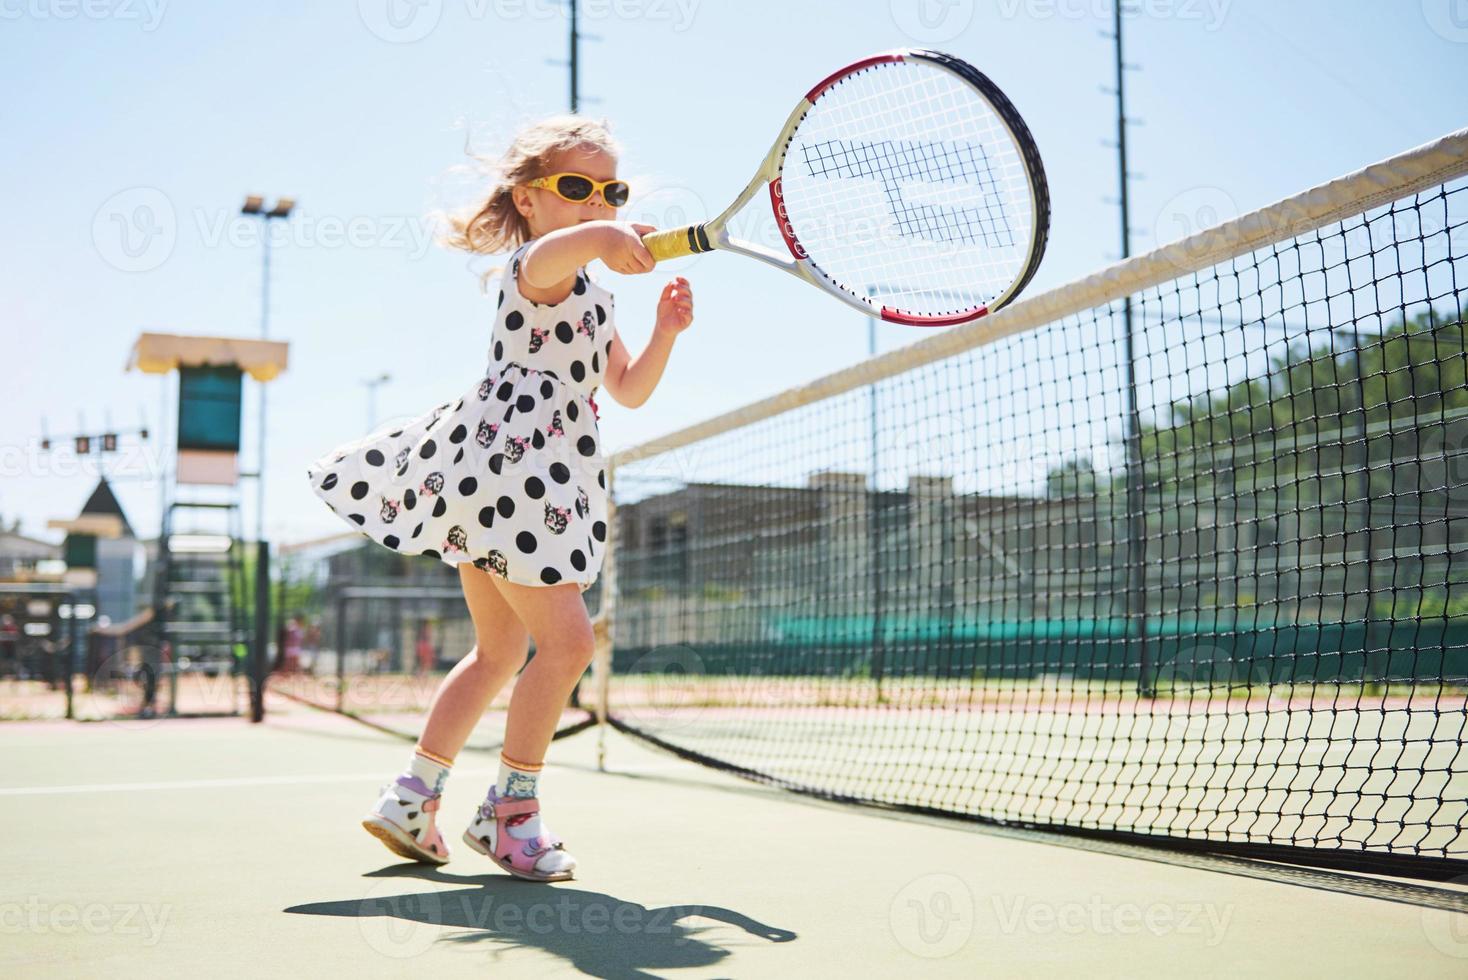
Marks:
<point>255,206</point>
<point>1136,548</point>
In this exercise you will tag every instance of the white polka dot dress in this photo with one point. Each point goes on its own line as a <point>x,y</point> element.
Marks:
<point>510,475</point>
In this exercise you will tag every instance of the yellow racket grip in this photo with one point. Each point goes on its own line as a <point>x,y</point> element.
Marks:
<point>675,242</point>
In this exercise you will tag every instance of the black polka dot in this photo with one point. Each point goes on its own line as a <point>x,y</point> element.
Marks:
<point>486,516</point>
<point>502,300</point>
<point>499,350</point>
<point>509,414</point>
<point>359,489</point>
<point>586,446</point>
<point>439,507</point>
<point>358,518</point>
<point>396,434</point>
<point>417,531</point>
<point>601,478</point>
<point>572,411</point>
<point>496,463</point>
<point>537,439</point>
<point>525,403</point>
<point>459,455</point>
<point>391,541</point>
<point>549,575</point>
<point>599,530</point>
<point>459,434</point>
<point>595,363</point>
<point>374,457</point>
<point>428,449</point>
<point>580,286</point>
<point>525,541</point>
<point>506,506</point>
<point>578,370</point>
<point>578,560</point>
<point>329,482</point>
<point>560,472</point>
<point>504,391</point>
<point>601,315</point>
<point>467,486</point>
<point>429,553</point>
<point>534,487</point>
<point>515,320</point>
<point>460,405</point>
<point>410,500</point>
<point>547,389</point>
<point>564,333</point>
<point>609,348</point>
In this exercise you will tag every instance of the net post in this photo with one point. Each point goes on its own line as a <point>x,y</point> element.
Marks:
<point>602,659</point>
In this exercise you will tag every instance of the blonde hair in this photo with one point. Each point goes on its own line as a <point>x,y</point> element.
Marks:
<point>497,225</point>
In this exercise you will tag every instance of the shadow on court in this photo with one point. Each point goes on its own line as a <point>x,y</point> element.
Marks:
<point>596,933</point>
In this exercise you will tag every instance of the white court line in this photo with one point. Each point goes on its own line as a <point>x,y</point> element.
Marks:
<point>210,783</point>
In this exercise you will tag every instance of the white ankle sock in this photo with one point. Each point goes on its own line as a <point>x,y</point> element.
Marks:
<point>522,780</point>
<point>432,769</point>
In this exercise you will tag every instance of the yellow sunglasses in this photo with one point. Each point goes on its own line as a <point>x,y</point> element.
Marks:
<point>579,188</point>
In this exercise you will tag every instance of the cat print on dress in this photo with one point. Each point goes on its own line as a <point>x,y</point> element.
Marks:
<point>583,505</point>
<point>457,540</point>
<point>587,325</point>
<point>494,563</point>
<point>515,447</point>
<point>556,518</point>
<point>432,484</point>
<point>555,428</point>
<point>485,433</point>
<point>389,512</point>
<point>537,338</point>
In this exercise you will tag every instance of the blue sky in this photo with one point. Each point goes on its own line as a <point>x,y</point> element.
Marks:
<point>361,109</point>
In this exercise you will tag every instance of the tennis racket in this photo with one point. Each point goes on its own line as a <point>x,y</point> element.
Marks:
<point>905,185</point>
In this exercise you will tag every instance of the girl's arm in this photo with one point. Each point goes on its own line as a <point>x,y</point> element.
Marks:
<point>548,271</point>
<point>631,383</point>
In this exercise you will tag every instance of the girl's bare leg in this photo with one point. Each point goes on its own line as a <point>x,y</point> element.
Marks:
<point>502,643</point>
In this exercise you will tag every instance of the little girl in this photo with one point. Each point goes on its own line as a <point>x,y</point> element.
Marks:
<point>507,482</point>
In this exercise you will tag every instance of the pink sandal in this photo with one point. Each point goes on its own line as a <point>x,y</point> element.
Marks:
<point>489,835</point>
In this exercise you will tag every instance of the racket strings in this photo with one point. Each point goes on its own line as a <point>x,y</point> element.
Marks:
<point>906,187</point>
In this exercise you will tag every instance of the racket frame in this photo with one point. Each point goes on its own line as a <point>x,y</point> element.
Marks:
<point>714,234</point>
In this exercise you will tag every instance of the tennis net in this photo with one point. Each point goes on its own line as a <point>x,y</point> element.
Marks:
<point>1167,555</point>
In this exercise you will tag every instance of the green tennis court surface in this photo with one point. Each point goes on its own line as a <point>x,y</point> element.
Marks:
<point>147,849</point>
